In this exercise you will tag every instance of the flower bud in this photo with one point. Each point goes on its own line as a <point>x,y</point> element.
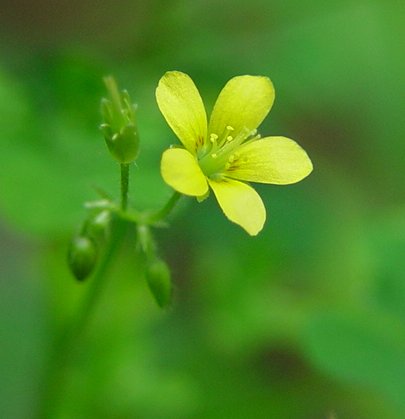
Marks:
<point>98,226</point>
<point>82,257</point>
<point>119,124</point>
<point>159,282</point>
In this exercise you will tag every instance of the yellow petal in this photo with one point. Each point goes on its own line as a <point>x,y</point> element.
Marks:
<point>181,171</point>
<point>240,203</point>
<point>276,160</point>
<point>242,104</point>
<point>181,105</point>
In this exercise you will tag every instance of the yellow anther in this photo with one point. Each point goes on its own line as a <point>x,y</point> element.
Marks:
<point>214,155</point>
<point>213,138</point>
<point>229,128</point>
<point>229,138</point>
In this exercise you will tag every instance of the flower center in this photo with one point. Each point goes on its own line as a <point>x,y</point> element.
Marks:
<point>218,154</point>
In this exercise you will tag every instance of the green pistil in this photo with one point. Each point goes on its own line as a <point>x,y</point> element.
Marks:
<point>213,163</point>
<point>221,153</point>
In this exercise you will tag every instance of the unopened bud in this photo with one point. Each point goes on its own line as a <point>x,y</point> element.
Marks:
<point>119,124</point>
<point>82,257</point>
<point>98,226</point>
<point>159,282</point>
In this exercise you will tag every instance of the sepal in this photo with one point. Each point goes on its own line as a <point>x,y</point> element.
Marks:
<point>98,226</point>
<point>119,124</point>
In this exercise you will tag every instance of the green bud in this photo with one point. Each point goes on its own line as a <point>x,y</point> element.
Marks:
<point>98,226</point>
<point>119,124</point>
<point>159,282</point>
<point>82,257</point>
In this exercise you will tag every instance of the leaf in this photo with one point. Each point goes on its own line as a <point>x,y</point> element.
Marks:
<point>367,350</point>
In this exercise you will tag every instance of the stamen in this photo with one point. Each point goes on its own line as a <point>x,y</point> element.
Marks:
<point>225,137</point>
<point>213,137</point>
<point>214,155</point>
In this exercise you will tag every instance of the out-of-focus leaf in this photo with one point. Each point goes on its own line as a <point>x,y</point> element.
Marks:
<point>23,331</point>
<point>386,250</point>
<point>367,350</point>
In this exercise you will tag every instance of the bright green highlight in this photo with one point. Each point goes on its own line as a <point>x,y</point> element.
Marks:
<point>228,148</point>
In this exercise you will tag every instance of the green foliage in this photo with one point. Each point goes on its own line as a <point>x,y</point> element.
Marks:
<point>367,349</point>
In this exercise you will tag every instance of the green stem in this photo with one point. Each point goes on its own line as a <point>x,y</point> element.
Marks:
<point>124,185</point>
<point>67,344</point>
<point>164,212</point>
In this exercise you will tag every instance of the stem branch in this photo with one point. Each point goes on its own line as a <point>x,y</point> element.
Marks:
<point>164,212</point>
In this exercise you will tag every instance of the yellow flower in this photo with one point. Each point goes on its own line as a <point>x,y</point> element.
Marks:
<point>227,150</point>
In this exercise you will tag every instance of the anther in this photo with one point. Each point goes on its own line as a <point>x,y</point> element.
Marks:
<point>214,155</point>
<point>213,138</point>
<point>229,138</point>
<point>229,128</point>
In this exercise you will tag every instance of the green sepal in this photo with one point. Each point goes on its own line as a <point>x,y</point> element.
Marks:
<point>123,145</point>
<point>119,124</point>
<point>97,227</point>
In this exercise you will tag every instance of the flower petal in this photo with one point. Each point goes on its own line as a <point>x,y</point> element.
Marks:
<point>181,171</point>
<point>276,160</point>
<point>181,105</point>
<point>240,203</point>
<point>242,104</point>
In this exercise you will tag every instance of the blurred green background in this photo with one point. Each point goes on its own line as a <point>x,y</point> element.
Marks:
<point>307,320</point>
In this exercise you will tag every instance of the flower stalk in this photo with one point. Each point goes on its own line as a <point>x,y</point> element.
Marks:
<point>124,185</point>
